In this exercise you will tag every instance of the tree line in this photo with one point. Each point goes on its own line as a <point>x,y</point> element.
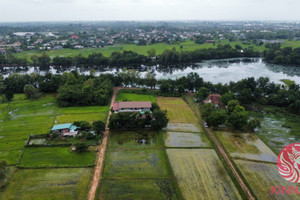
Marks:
<point>284,56</point>
<point>130,58</point>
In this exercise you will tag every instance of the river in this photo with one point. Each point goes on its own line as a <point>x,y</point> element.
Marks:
<point>215,71</point>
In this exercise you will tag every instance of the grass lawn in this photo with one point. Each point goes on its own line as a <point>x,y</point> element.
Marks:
<point>133,140</point>
<point>201,175</point>
<point>177,110</point>
<point>122,96</point>
<point>21,118</point>
<point>137,189</point>
<point>246,146</point>
<point>49,184</point>
<point>136,164</point>
<point>182,139</point>
<point>55,157</point>
<point>262,176</point>
<point>89,113</point>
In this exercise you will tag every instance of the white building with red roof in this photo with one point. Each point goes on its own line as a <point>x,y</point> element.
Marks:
<point>132,106</point>
<point>213,98</point>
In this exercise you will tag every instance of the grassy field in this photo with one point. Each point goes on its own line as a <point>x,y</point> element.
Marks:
<point>55,157</point>
<point>278,128</point>
<point>182,139</point>
<point>133,140</point>
<point>138,189</point>
<point>160,47</point>
<point>49,184</point>
<point>261,176</point>
<point>246,146</point>
<point>89,113</point>
<point>177,110</point>
<point>201,175</point>
<point>22,118</point>
<point>123,96</point>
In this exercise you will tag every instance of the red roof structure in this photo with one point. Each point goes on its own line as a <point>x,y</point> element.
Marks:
<point>131,105</point>
<point>75,37</point>
<point>213,98</point>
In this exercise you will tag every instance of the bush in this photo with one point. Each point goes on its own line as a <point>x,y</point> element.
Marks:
<point>83,125</point>
<point>99,127</point>
<point>81,147</point>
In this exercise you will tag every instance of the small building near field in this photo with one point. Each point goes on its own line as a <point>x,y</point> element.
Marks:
<point>213,98</point>
<point>65,129</point>
<point>132,106</point>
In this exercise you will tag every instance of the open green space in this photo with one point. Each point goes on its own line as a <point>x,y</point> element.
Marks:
<point>89,113</point>
<point>278,128</point>
<point>55,157</point>
<point>177,110</point>
<point>246,146</point>
<point>21,118</point>
<point>123,96</point>
<point>182,139</point>
<point>262,176</point>
<point>133,140</point>
<point>153,189</point>
<point>201,175</point>
<point>49,184</point>
<point>159,48</point>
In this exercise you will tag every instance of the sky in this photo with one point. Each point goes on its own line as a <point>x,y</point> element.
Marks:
<point>102,10</point>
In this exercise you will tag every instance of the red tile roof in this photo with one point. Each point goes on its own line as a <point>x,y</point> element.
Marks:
<point>131,104</point>
<point>213,98</point>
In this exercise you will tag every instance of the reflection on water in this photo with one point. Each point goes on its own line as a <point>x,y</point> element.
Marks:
<point>215,71</point>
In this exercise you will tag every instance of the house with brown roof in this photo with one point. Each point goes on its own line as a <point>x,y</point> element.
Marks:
<point>132,106</point>
<point>213,98</point>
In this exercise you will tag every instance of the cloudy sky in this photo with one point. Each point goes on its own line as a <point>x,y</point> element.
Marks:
<point>65,10</point>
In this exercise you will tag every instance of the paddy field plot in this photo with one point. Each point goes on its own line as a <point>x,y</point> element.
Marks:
<point>55,157</point>
<point>89,113</point>
<point>149,163</point>
<point>201,175</point>
<point>183,139</point>
<point>177,110</point>
<point>49,184</point>
<point>134,140</point>
<point>21,118</point>
<point>123,96</point>
<point>246,146</point>
<point>152,189</point>
<point>184,127</point>
<point>262,176</point>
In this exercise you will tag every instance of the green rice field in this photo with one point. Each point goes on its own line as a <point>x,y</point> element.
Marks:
<point>123,96</point>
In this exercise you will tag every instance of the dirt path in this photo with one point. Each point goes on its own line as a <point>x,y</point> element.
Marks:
<point>101,154</point>
<point>229,163</point>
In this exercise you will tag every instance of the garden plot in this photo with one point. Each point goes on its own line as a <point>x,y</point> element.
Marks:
<point>133,140</point>
<point>177,110</point>
<point>55,157</point>
<point>201,175</point>
<point>48,184</point>
<point>136,164</point>
<point>262,176</point>
<point>184,127</point>
<point>182,139</point>
<point>246,146</point>
<point>123,96</point>
<point>153,189</point>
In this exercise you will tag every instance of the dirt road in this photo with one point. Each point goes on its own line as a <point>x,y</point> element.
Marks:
<point>101,154</point>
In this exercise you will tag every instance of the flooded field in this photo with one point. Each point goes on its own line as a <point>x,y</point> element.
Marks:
<point>246,146</point>
<point>201,175</point>
<point>182,139</point>
<point>262,176</point>
<point>184,127</point>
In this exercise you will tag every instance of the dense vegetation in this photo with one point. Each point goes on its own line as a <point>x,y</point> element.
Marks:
<point>285,56</point>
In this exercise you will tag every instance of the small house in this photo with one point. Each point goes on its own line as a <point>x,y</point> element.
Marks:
<point>213,98</point>
<point>65,129</point>
<point>132,106</point>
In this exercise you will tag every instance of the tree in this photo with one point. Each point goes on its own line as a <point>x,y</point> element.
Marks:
<point>231,105</point>
<point>151,53</point>
<point>9,95</point>
<point>83,125</point>
<point>3,174</point>
<point>30,91</point>
<point>228,96</point>
<point>160,119</point>
<point>99,127</point>
<point>81,146</point>
<point>202,93</point>
<point>238,118</point>
<point>216,117</point>
<point>207,109</point>
<point>2,85</point>
<point>253,124</point>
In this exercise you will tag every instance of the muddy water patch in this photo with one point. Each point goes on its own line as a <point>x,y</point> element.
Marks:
<point>183,139</point>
